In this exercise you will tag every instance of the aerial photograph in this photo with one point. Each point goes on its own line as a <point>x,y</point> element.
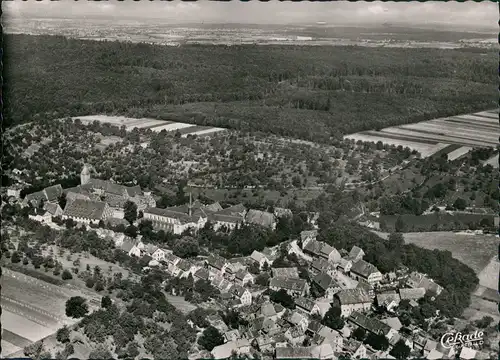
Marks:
<point>249,180</point>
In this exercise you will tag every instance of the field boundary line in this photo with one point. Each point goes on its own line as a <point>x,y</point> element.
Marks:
<point>31,307</point>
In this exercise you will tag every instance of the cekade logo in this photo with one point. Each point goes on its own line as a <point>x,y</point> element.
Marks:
<point>450,340</point>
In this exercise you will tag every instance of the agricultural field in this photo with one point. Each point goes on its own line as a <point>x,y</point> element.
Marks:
<point>493,161</point>
<point>130,124</point>
<point>429,137</point>
<point>475,251</point>
<point>31,310</point>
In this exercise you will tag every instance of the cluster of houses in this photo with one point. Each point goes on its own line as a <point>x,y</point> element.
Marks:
<point>347,281</point>
<point>334,277</point>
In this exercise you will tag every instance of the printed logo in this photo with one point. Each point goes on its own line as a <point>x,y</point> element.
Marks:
<point>450,340</point>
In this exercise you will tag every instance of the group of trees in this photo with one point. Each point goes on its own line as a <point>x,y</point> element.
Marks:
<point>249,93</point>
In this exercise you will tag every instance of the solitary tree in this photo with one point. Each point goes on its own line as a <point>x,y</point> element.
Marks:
<point>106,301</point>
<point>400,225</point>
<point>66,275</point>
<point>400,350</point>
<point>76,307</point>
<point>130,211</point>
<point>62,334</point>
<point>211,338</point>
<point>333,318</point>
<point>359,334</point>
<point>460,204</point>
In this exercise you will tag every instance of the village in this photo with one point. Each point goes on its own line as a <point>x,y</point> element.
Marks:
<point>340,305</point>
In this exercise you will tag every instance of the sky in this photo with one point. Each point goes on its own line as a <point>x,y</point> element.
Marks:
<point>455,14</point>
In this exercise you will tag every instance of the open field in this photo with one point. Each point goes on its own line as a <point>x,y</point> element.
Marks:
<point>31,310</point>
<point>475,251</point>
<point>181,304</point>
<point>488,277</point>
<point>493,161</point>
<point>461,151</point>
<point>184,129</point>
<point>428,137</point>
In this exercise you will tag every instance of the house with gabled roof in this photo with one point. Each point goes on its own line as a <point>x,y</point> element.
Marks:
<point>295,318</point>
<point>201,274</point>
<point>353,300</point>
<point>344,265</point>
<point>289,272</point>
<point>356,254</point>
<point>293,287</point>
<point>322,250</point>
<point>232,335</point>
<point>264,325</point>
<point>50,194</point>
<point>217,265</point>
<point>295,335</point>
<point>308,235</point>
<point>418,280</point>
<point>326,335</point>
<point>159,254</point>
<point>261,218</point>
<point>289,353</point>
<point>228,218</point>
<point>372,325</point>
<point>177,219</point>
<point>362,269</point>
<point>220,283</point>
<point>186,268</point>
<point>264,343</point>
<point>388,300</point>
<point>282,212</point>
<point>412,294</point>
<point>326,284</point>
<point>321,265</point>
<point>241,294</point>
<point>243,277</point>
<point>355,349</point>
<point>260,259</point>
<point>306,305</point>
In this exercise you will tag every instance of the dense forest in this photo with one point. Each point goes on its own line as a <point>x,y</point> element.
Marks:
<point>309,92</point>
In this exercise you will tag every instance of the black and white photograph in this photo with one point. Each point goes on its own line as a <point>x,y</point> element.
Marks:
<point>250,180</point>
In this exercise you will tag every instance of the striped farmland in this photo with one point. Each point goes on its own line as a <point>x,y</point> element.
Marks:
<point>153,124</point>
<point>427,137</point>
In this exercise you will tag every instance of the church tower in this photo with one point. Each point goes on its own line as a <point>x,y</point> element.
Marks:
<point>85,175</point>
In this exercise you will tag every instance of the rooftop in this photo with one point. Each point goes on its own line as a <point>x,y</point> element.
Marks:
<point>289,272</point>
<point>288,283</point>
<point>363,268</point>
<point>370,324</point>
<point>353,296</point>
<point>262,218</point>
<point>93,210</point>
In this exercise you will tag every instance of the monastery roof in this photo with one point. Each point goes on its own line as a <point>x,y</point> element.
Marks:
<point>85,209</point>
<point>262,218</point>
